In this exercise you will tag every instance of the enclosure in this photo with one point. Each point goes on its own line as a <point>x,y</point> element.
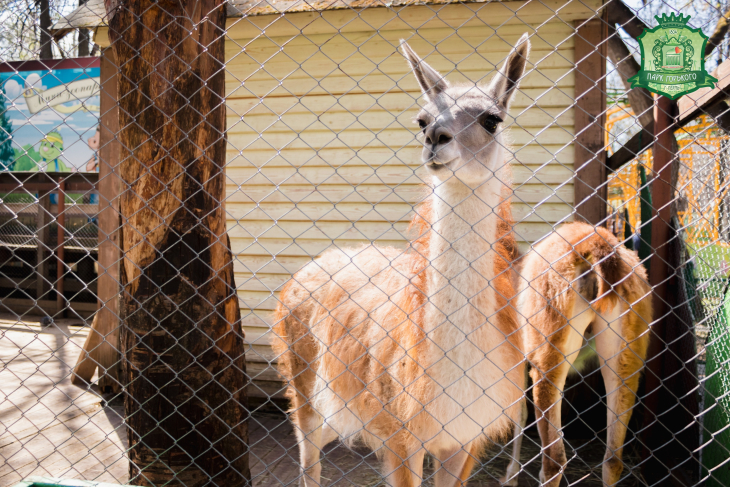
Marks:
<point>243,155</point>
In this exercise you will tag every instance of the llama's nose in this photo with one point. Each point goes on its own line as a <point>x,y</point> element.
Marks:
<point>437,135</point>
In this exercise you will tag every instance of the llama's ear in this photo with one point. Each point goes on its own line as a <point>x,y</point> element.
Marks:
<point>505,82</point>
<point>430,80</point>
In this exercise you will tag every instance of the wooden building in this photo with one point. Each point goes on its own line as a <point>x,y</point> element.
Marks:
<point>321,143</point>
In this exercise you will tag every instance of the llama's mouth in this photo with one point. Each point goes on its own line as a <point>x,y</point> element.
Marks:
<point>437,166</point>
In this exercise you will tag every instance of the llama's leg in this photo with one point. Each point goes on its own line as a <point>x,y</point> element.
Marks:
<point>551,364</point>
<point>548,402</point>
<point>415,466</point>
<point>621,367</point>
<point>308,429</point>
<point>399,463</point>
<point>454,466</point>
<point>513,469</point>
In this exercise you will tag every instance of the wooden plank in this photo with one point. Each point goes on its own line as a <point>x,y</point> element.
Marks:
<point>414,17</point>
<point>659,459</point>
<point>87,363</point>
<point>43,245</point>
<point>280,173</point>
<point>389,104</point>
<point>317,136</point>
<point>107,354</point>
<point>377,116</point>
<point>256,205</point>
<point>590,120</point>
<point>374,155</point>
<point>484,38</point>
<point>60,242</point>
<point>694,104</point>
<point>46,181</point>
<point>299,78</point>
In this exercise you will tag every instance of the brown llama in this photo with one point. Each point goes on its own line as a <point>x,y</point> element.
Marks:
<point>581,283</point>
<point>418,351</point>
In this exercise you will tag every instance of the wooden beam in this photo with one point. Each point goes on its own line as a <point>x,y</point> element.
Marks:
<point>101,348</point>
<point>60,242</point>
<point>668,438</point>
<point>632,149</point>
<point>695,104</point>
<point>46,181</point>
<point>640,99</point>
<point>43,237</point>
<point>590,121</point>
<point>108,221</point>
<point>720,113</point>
<point>658,276</point>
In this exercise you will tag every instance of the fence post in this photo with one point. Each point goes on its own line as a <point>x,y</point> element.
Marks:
<point>108,226</point>
<point>668,438</point>
<point>590,120</point>
<point>60,242</point>
<point>43,236</point>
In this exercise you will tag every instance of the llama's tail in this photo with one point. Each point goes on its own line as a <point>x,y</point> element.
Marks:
<point>590,261</point>
<point>605,270</point>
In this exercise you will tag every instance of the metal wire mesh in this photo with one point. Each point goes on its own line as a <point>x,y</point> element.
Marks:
<point>359,243</point>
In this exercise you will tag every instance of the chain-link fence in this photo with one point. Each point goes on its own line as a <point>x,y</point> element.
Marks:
<point>362,243</point>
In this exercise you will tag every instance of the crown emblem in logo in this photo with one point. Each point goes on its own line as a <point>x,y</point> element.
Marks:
<point>671,58</point>
<point>673,21</point>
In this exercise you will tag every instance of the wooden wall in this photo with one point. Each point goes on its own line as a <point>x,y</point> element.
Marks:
<point>322,147</point>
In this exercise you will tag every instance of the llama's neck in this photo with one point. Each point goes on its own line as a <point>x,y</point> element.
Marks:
<point>464,231</point>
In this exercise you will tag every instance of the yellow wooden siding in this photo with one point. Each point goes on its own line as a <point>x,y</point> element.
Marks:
<point>320,130</point>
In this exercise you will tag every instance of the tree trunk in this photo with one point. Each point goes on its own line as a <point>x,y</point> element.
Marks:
<point>181,339</point>
<point>83,43</point>
<point>83,39</point>
<point>44,21</point>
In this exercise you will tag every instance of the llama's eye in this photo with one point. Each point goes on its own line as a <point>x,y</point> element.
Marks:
<point>422,123</point>
<point>490,123</point>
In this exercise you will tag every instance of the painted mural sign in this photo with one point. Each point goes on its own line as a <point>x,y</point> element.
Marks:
<point>49,115</point>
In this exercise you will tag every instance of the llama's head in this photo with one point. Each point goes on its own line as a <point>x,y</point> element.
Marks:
<point>461,124</point>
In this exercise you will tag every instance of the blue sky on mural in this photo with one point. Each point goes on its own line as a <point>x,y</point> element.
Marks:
<point>75,127</point>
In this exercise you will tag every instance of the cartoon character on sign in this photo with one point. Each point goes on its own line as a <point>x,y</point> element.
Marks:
<point>93,165</point>
<point>94,141</point>
<point>51,150</point>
